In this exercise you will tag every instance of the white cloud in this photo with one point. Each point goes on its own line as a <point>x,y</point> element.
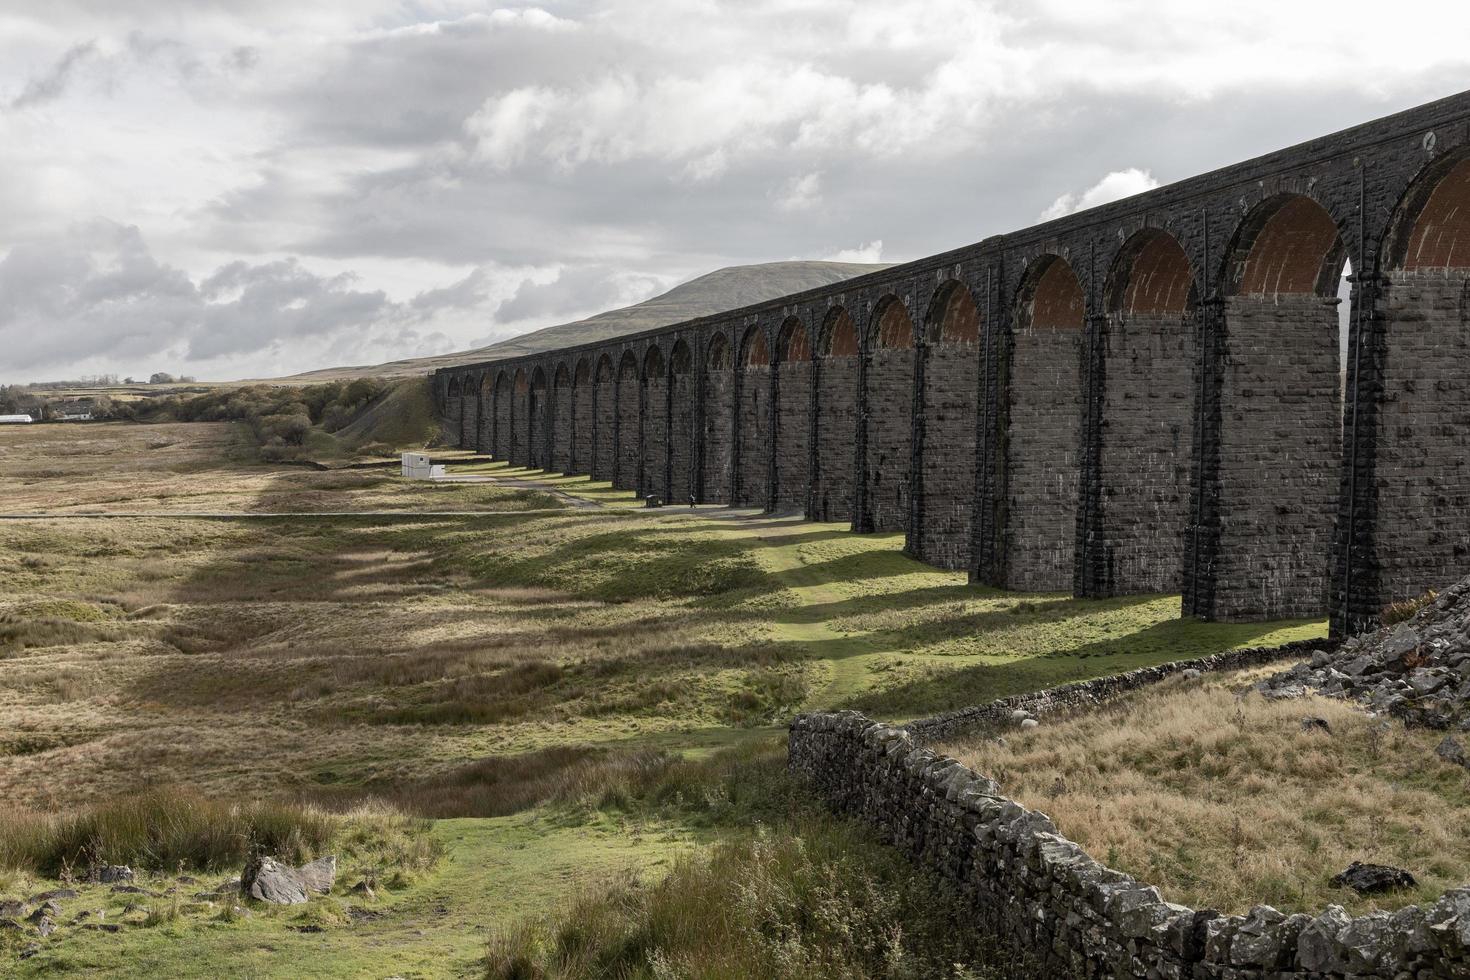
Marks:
<point>866,252</point>
<point>454,150</point>
<point>1114,187</point>
<point>801,193</point>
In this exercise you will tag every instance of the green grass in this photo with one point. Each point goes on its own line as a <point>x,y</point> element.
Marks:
<point>568,695</point>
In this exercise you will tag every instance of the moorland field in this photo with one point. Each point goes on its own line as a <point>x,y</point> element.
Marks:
<point>546,737</point>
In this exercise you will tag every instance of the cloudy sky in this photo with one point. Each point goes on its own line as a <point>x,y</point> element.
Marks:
<point>248,189</point>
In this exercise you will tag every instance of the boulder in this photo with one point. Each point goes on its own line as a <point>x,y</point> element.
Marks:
<point>109,874</point>
<point>55,893</point>
<point>1373,879</point>
<point>267,880</point>
<point>1312,723</point>
<point>1451,750</point>
<point>320,875</point>
<point>12,908</point>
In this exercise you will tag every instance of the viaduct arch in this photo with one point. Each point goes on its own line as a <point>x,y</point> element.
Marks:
<point>1150,396</point>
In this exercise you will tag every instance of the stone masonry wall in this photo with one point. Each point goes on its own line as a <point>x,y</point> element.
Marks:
<point>836,437</point>
<point>478,421</point>
<point>607,422</point>
<point>890,408</point>
<point>755,436</point>
<point>1042,459</point>
<point>536,418</point>
<point>951,379</point>
<point>719,397</point>
<point>1035,889</point>
<point>504,412</point>
<point>625,476</point>
<point>561,429</point>
<point>1147,434</point>
<point>681,436</point>
<point>451,421</point>
<point>1280,442</point>
<point>793,435</point>
<point>583,426</point>
<point>655,436</point>
<point>1423,467</point>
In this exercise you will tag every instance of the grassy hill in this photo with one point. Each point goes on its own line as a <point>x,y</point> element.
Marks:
<point>724,289</point>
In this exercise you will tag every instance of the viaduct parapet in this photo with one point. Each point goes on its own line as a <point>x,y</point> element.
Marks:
<point>1144,397</point>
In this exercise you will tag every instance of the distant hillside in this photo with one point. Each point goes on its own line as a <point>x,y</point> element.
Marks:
<point>725,289</point>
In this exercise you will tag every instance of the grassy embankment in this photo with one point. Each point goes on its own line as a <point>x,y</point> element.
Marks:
<point>529,681</point>
<point>1225,800</point>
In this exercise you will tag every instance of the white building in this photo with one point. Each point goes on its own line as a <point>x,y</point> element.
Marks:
<point>418,466</point>
<point>14,419</point>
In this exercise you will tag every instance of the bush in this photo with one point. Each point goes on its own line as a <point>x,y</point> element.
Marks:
<point>286,422</point>
<point>1397,612</point>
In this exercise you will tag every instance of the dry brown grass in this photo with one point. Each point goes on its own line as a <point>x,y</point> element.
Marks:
<point>1225,801</point>
<point>204,466</point>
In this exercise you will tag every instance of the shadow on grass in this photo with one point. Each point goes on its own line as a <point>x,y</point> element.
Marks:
<point>941,688</point>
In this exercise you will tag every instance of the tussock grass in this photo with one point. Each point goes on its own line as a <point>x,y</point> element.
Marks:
<point>1224,800</point>
<point>815,899</point>
<point>165,829</point>
<point>160,829</point>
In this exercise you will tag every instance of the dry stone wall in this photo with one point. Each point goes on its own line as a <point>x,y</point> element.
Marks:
<point>1032,887</point>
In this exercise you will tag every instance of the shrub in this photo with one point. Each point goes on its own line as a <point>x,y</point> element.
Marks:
<point>1397,612</point>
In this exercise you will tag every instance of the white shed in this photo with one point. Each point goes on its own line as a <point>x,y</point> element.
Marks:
<point>417,466</point>
<point>14,419</point>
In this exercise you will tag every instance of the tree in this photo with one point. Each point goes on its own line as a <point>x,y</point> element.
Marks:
<point>161,378</point>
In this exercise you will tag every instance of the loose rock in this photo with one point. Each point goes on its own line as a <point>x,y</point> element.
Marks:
<point>1373,879</point>
<point>1450,750</point>
<point>55,893</point>
<point>108,874</point>
<point>267,880</point>
<point>320,875</point>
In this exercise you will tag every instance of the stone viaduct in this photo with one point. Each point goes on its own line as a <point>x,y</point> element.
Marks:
<point>1144,397</point>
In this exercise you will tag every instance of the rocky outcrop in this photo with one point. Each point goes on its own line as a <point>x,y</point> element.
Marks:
<point>1417,671</point>
<point>1035,888</point>
<point>267,880</point>
<point>320,875</point>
